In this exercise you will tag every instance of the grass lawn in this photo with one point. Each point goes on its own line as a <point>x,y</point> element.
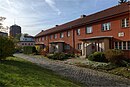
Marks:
<point>16,72</point>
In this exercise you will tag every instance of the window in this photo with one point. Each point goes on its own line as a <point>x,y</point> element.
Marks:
<point>128,45</point>
<point>55,36</point>
<point>89,30</point>
<point>124,45</point>
<point>39,39</point>
<point>120,45</point>
<point>79,46</point>
<point>61,35</point>
<point>78,31</point>
<point>51,36</point>
<point>68,33</point>
<point>116,45</point>
<point>42,38</point>
<point>46,38</point>
<point>106,26</point>
<point>125,22</point>
<point>67,46</point>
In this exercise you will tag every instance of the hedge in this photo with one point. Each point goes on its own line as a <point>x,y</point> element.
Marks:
<point>29,50</point>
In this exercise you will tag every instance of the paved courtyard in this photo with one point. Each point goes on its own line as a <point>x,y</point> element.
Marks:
<point>83,75</point>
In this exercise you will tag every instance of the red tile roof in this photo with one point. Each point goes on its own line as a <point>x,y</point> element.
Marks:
<point>88,19</point>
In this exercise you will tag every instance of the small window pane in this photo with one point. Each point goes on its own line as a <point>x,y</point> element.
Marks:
<point>116,45</point>
<point>128,45</point>
<point>120,45</point>
<point>124,45</point>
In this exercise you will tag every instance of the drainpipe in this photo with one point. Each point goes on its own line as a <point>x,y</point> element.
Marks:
<point>48,44</point>
<point>73,41</point>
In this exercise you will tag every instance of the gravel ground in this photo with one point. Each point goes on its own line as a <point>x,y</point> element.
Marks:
<point>85,76</point>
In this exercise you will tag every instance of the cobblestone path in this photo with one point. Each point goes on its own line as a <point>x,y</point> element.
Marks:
<point>83,75</point>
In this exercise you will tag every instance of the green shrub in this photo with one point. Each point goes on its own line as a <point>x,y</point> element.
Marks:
<point>6,47</point>
<point>59,56</point>
<point>29,50</point>
<point>115,56</point>
<point>98,57</point>
<point>50,56</point>
<point>69,55</point>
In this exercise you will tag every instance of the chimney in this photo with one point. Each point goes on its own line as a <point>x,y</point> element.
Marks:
<point>57,25</point>
<point>122,1</point>
<point>82,16</point>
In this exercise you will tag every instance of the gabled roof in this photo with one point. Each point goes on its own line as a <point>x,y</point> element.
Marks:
<point>88,19</point>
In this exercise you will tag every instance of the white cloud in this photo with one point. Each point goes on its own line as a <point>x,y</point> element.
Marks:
<point>51,3</point>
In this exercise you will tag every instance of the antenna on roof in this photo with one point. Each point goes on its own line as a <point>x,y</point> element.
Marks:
<point>122,1</point>
<point>14,21</point>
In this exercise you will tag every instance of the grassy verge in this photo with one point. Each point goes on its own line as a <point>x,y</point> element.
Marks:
<point>16,72</point>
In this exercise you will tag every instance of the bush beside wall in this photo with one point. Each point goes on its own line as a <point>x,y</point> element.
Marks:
<point>29,50</point>
<point>59,56</point>
<point>98,57</point>
<point>115,56</point>
<point>6,47</point>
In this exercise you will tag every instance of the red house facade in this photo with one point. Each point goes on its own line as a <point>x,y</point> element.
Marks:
<point>107,29</point>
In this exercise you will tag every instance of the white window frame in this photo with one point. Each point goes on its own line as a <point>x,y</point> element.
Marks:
<point>68,33</point>
<point>43,38</point>
<point>89,30</point>
<point>79,46</point>
<point>51,36</point>
<point>78,32</point>
<point>125,23</point>
<point>122,47</point>
<point>61,35</point>
<point>55,36</point>
<point>106,26</point>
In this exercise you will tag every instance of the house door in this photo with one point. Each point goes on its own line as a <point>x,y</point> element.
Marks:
<point>90,49</point>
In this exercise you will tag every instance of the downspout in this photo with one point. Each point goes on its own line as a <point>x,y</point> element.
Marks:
<point>73,41</point>
<point>48,44</point>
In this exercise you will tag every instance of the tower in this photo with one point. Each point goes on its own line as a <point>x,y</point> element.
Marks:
<point>15,30</point>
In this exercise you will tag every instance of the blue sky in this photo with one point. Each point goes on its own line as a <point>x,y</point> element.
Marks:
<point>36,15</point>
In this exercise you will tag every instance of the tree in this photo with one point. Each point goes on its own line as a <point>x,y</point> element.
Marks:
<point>6,47</point>
<point>2,28</point>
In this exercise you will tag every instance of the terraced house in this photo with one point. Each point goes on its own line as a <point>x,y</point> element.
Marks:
<point>107,29</point>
